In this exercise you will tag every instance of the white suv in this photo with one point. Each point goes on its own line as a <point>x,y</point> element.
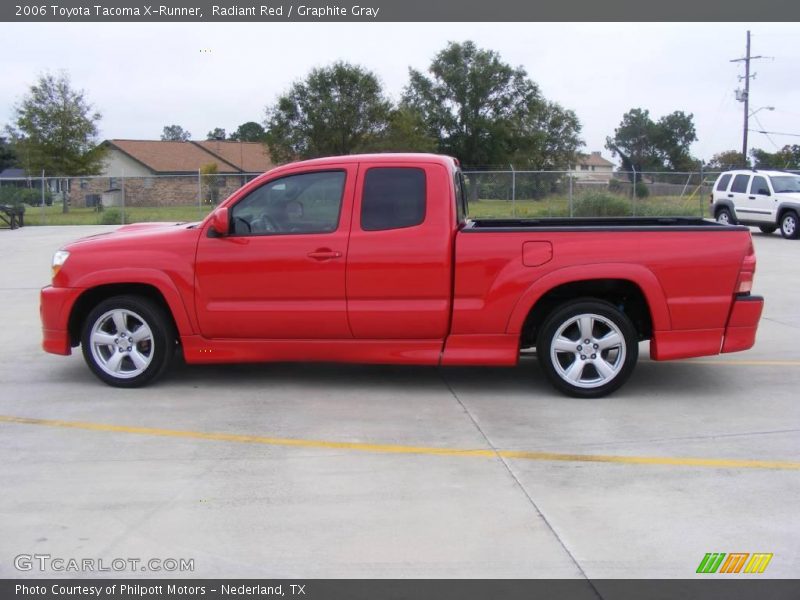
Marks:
<point>765,199</point>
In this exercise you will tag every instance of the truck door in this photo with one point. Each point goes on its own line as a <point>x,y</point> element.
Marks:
<point>280,273</point>
<point>399,262</point>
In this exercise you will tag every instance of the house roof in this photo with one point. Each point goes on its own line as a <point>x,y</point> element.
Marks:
<point>187,157</point>
<point>594,160</point>
<point>250,157</point>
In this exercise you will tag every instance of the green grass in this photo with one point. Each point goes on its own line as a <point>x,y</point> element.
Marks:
<point>555,206</point>
<point>53,215</point>
<point>552,206</point>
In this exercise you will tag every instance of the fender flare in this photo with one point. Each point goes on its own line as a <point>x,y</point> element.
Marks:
<point>638,275</point>
<point>142,276</point>
<point>783,206</point>
<point>727,204</point>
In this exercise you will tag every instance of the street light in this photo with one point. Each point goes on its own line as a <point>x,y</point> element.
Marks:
<point>762,108</point>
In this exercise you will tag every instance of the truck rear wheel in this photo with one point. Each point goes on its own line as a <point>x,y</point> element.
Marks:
<point>587,348</point>
<point>127,341</point>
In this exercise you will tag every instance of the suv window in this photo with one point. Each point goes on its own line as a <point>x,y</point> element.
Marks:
<point>740,183</point>
<point>305,203</point>
<point>722,185</point>
<point>759,186</point>
<point>394,197</point>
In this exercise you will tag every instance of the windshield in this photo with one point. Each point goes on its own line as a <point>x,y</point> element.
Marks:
<point>785,183</point>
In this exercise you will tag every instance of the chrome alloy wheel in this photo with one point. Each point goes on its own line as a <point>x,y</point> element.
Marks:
<point>588,351</point>
<point>121,343</point>
<point>789,225</point>
<point>724,218</point>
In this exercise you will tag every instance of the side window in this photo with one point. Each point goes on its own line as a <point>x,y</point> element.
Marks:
<point>393,198</point>
<point>740,183</point>
<point>759,186</point>
<point>305,203</point>
<point>461,198</point>
<point>722,185</point>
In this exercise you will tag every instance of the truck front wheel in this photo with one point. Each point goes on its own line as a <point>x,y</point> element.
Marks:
<point>127,341</point>
<point>587,348</point>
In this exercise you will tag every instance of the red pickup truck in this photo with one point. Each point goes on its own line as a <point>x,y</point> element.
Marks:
<point>373,259</point>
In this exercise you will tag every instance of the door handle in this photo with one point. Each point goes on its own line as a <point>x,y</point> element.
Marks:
<point>730,195</point>
<point>324,254</point>
<point>752,197</point>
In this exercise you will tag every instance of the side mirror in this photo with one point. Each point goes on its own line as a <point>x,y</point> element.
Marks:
<point>219,221</point>
<point>764,192</point>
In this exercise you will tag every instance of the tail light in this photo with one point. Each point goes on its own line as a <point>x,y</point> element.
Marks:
<point>711,198</point>
<point>746,272</point>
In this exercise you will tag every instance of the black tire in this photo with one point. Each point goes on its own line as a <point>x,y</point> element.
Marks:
<point>725,217</point>
<point>602,370</point>
<point>790,225</point>
<point>768,229</point>
<point>116,347</point>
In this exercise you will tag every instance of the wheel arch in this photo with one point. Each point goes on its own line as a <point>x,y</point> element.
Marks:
<point>633,287</point>
<point>163,294</point>
<point>720,204</point>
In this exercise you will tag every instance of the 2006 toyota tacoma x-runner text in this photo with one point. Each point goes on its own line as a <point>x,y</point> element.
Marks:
<point>373,259</point>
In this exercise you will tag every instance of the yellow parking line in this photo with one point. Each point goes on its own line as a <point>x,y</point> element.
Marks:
<point>719,463</point>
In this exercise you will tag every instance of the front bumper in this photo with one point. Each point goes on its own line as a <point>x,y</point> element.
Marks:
<point>55,305</point>
<point>740,334</point>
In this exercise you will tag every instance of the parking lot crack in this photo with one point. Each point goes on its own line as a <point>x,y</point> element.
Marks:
<point>519,484</point>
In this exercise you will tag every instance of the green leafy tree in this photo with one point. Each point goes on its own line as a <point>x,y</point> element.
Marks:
<point>8,157</point>
<point>337,109</point>
<point>218,133</point>
<point>406,132</point>
<point>486,112</point>
<point>175,133</point>
<point>787,157</point>
<point>723,161</point>
<point>646,145</point>
<point>249,132</point>
<point>55,129</point>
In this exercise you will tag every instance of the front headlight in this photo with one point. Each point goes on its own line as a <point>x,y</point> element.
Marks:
<point>59,258</point>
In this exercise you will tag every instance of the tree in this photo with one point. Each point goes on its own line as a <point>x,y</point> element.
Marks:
<point>8,157</point>
<point>218,133</point>
<point>646,145</point>
<point>724,161</point>
<point>485,112</point>
<point>787,157</point>
<point>55,129</point>
<point>249,132</point>
<point>175,133</point>
<point>336,110</point>
<point>406,132</point>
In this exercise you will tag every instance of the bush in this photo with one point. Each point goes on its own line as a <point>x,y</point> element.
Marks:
<point>616,186</point>
<point>111,216</point>
<point>642,191</point>
<point>601,204</point>
<point>16,196</point>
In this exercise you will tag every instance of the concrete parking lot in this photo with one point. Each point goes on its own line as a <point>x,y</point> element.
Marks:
<point>367,471</point>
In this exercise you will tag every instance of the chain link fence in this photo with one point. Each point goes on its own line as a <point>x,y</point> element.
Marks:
<point>491,193</point>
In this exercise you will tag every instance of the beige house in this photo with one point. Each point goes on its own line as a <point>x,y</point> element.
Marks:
<point>593,168</point>
<point>165,173</point>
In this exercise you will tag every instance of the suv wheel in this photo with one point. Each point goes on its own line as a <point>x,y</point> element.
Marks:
<point>587,348</point>
<point>789,225</point>
<point>767,229</point>
<point>724,216</point>
<point>127,341</point>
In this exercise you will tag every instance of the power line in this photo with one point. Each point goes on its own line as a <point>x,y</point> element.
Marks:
<point>775,133</point>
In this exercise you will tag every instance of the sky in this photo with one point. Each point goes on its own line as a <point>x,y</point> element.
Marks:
<point>206,75</point>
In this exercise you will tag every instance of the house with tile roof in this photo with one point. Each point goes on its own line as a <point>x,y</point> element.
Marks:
<point>166,173</point>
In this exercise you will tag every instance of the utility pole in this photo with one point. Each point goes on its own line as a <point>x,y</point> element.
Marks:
<point>745,96</point>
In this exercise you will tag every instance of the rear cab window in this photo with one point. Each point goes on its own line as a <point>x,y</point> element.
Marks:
<point>722,184</point>
<point>740,183</point>
<point>393,198</point>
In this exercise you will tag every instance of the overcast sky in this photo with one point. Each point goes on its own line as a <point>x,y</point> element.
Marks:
<point>144,76</point>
